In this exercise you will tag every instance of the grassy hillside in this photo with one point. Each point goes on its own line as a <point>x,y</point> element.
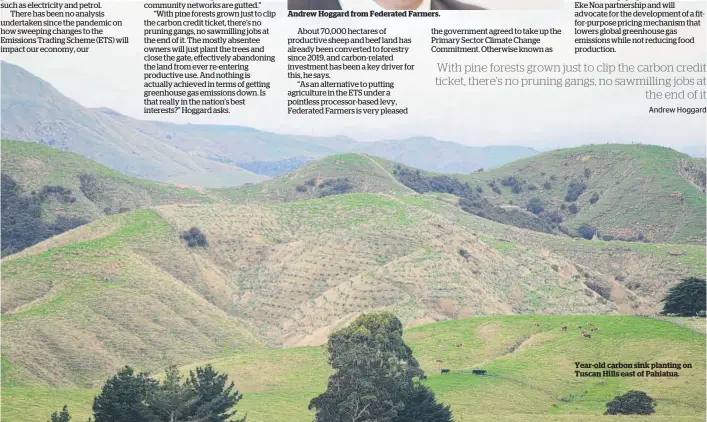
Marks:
<point>34,166</point>
<point>286,265</point>
<point>530,372</point>
<point>86,191</point>
<point>639,189</point>
<point>291,272</point>
<point>363,173</point>
<point>103,297</point>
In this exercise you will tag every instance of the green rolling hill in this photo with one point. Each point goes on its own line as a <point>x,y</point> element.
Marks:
<point>639,189</point>
<point>293,258</point>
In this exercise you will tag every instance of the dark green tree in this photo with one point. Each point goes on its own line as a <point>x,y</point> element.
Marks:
<point>373,372</point>
<point>171,400</point>
<point>124,398</point>
<point>215,401</point>
<point>687,298</point>
<point>535,205</point>
<point>631,403</point>
<point>62,416</point>
<point>421,406</point>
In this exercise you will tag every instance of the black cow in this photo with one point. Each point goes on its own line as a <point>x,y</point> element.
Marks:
<point>478,372</point>
<point>423,377</point>
<point>445,371</point>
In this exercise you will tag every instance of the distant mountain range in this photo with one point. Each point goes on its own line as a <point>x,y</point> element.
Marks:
<point>204,155</point>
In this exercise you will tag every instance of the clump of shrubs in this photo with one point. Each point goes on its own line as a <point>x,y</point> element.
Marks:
<point>535,206</point>
<point>594,198</point>
<point>195,238</point>
<point>547,186</point>
<point>631,403</point>
<point>574,190</point>
<point>61,193</point>
<point>337,186</point>
<point>494,187</point>
<point>573,208</point>
<point>515,184</point>
<point>602,291</point>
<point>464,253</point>
<point>587,231</point>
<point>587,173</point>
<point>553,217</point>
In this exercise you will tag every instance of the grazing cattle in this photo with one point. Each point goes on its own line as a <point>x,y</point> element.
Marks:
<point>537,324</point>
<point>594,329</point>
<point>460,344</point>
<point>439,361</point>
<point>589,324</point>
<point>587,335</point>
<point>584,332</point>
<point>579,326</point>
<point>478,372</point>
<point>564,328</point>
<point>445,371</point>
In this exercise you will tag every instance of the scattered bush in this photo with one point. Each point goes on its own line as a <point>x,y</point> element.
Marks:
<point>535,205</point>
<point>574,190</point>
<point>553,177</point>
<point>532,187</point>
<point>311,182</point>
<point>631,403</point>
<point>587,231</point>
<point>194,238</point>
<point>337,186</point>
<point>494,187</point>
<point>602,291</point>
<point>90,187</point>
<point>587,173</point>
<point>300,188</point>
<point>553,217</point>
<point>479,189</point>
<point>594,198</point>
<point>61,193</point>
<point>470,200</point>
<point>573,208</point>
<point>464,253</point>
<point>515,184</point>
<point>547,186</point>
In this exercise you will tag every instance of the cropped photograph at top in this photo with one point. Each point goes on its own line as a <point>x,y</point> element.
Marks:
<point>382,4</point>
<point>421,5</point>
